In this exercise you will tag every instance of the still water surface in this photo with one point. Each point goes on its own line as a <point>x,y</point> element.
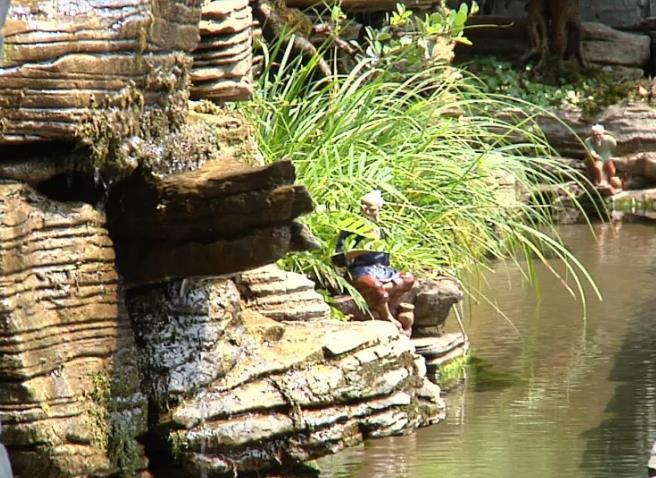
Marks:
<point>561,397</point>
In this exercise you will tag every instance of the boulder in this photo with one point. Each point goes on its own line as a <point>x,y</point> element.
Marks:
<point>433,300</point>
<point>70,403</point>
<point>281,295</point>
<point>236,397</point>
<point>641,165</point>
<point>66,63</point>
<point>605,45</point>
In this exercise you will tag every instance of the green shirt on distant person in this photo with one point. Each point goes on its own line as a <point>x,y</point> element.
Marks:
<point>605,150</point>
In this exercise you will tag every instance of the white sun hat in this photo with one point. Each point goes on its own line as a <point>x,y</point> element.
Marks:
<point>598,128</point>
<point>373,197</point>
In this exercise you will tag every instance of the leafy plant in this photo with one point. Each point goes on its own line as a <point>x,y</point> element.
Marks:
<point>409,43</point>
<point>439,171</point>
<point>591,92</point>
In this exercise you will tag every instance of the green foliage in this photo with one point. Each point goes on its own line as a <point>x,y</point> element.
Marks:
<point>113,429</point>
<point>122,446</point>
<point>439,171</point>
<point>590,92</point>
<point>409,43</point>
<point>453,372</point>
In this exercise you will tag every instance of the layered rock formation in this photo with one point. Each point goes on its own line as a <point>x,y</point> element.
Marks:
<point>223,59</point>
<point>238,391</point>
<point>170,193</point>
<point>433,301</point>
<point>364,5</point>
<point>69,388</point>
<point>66,62</point>
<point>221,218</point>
<point>281,295</point>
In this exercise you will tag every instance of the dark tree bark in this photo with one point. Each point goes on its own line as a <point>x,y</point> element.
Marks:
<point>273,25</point>
<point>554,27</point>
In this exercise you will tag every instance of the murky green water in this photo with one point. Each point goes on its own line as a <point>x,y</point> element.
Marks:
<point>561,397</point>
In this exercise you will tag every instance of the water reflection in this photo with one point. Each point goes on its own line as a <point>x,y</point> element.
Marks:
<point>561,397</point>
<point>631,425</point>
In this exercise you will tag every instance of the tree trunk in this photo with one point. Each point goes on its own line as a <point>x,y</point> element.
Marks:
<point>554,27</point>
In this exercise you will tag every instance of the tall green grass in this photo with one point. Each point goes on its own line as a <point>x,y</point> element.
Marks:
<point>439,171</point>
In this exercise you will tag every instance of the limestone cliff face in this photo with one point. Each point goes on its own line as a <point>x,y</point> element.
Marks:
<point>117,353</point>
<point>237,391</point>
<point>65,61</point>
<point>69,384</point>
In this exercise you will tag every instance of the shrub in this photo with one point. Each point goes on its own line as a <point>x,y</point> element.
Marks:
<point>424,139</point>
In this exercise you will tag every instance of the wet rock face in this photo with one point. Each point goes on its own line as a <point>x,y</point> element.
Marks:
<point>69,387</point>
<point>66,61</point>
<point>184,331</point>
<point>277,394</point>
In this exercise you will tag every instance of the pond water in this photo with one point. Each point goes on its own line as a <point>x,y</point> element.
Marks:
<point>559,396</point>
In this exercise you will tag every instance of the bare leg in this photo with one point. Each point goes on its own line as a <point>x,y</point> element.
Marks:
<point>609,168</point>
<point>604,168</point>
<point>400,286</point>
<point>613,180</point>
<point>377,297</point>
<point>406,316</point>
<point>595,171</point>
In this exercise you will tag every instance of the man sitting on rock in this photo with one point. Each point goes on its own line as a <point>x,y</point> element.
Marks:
<point>371,274</point>
<point>600,146</point>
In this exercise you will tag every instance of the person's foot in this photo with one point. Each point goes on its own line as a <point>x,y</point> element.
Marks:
<point>398,324</point>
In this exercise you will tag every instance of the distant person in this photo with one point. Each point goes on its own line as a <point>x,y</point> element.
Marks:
<point>4,8</point>
<point>370,272</point>
<point>600,146</point>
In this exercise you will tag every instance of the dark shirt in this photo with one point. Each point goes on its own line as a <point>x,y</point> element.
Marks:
<point>375,263</point>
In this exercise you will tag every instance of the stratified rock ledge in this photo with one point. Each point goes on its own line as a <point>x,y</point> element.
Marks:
<point>69,385</point>
<point>254,394</point>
